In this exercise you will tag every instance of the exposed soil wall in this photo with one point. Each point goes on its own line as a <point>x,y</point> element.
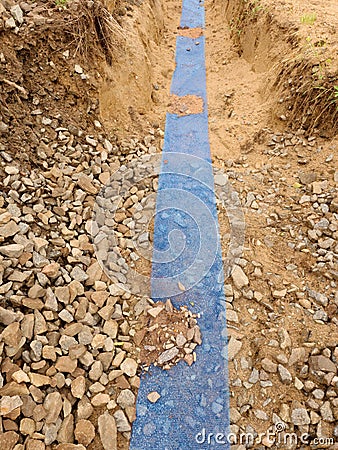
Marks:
<point>127,90</point>
<point>295,44</point>
<point>260,37</point>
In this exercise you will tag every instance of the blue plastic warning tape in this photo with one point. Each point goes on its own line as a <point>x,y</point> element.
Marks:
<point>193,410</point>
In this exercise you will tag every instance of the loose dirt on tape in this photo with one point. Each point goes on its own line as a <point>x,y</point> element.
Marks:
<point>185,106</point>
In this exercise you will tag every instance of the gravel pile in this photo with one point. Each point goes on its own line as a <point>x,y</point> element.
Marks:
<point>68,360</point>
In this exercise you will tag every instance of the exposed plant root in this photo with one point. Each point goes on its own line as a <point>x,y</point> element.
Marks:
<point>91,27</point>
<point>310,94</point>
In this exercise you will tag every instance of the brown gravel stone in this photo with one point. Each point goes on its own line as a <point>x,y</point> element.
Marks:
<point>84,432</point>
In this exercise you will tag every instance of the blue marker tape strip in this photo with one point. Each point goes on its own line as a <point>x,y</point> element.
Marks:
<point>193,411</point>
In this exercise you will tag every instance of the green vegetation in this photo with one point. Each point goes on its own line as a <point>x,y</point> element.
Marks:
<point>61,3</point>
<point>252,8</point>
<point>309,19</point>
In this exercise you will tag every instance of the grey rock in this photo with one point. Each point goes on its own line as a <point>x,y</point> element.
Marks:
<point>326,412</point>
<point>121,421</point>
<point>51,431</point>
<point>284,374</point>
<point>17,14</point>
<point>269,366</point>
<point>168,355</point>
<point>307,177</point>
<point>318,297</point>
<point>261,415</point>
<point>318,394</point>
<point>126,398</point>
<point>254,377</point>
<point>78,274</point>
<point>239,278</point>
<point>10,23</point>
<point>300,416</point>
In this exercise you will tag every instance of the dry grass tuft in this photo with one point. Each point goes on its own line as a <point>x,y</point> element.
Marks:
<point>309,87</point>
<point>90,28</point>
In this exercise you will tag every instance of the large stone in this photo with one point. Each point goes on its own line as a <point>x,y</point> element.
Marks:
<point>284,374</point>
<point>78,274</point>
<point>129,367</point>
<point>297,355</point>
<point>121,421</point>
<point>9,404</point>
<point>84,408</point>
<point>166,356</point>
<point>100,399</point>
<point>107,431</point>
<point>234,346</point>
<point>27,426</point>
<point>39,380</point>
<point>50,431</point>
<point>34,444</point>
<point>66,364</point>
<point>322,363</point>
<point>8,440</point>
<point>53,406</point>
<point>12,250</point>
<point>12,389</point>
<point>307,177</point>
<point>239,278</point>
<point>66,431</point>
<point>51,270</point>
<point>269,366</point>
<point>7,317</point>
<point>78,387</point>
<point>299,416</point>
<point>126,398</point>
<point>17,14</point>
<point>11,335</point>
<point>110,328</point>
<point>20,377</point>
<point>62,294</point>
<point>153,397</point>
<point>84,432</point>
<point>86,184</point>
<point>10,229</point>
<point>326,412</point>
<point>96,371</point>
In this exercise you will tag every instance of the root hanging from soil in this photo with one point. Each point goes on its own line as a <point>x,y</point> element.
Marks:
<point>310,94</point>
<point>91,27</point>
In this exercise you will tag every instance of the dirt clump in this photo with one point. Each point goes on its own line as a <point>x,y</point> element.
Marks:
<point>193,33</point>
<point>185,106</point>
<point>168,335</point>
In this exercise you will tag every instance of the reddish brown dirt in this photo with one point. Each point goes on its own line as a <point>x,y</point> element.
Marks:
<point>184,106</point>
<point>193,33</point>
